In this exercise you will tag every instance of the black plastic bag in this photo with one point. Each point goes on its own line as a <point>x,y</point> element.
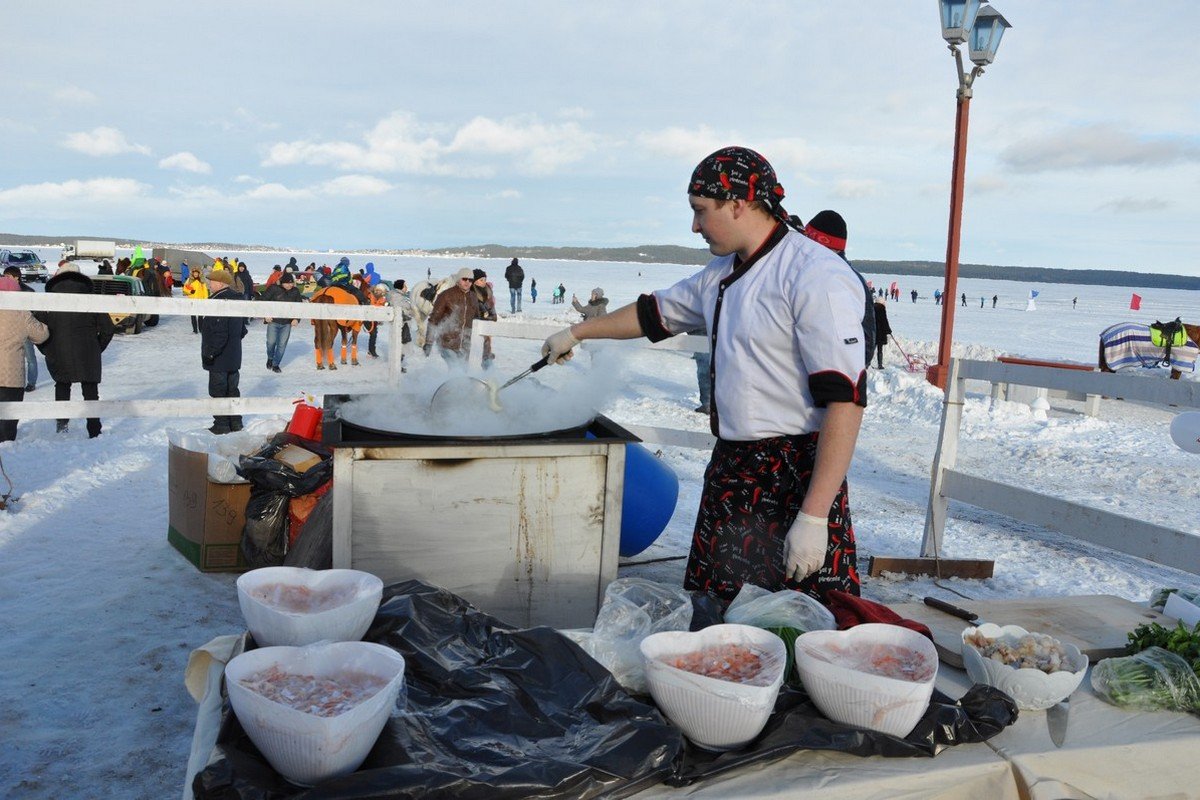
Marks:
<point>272,484</point>
<point>796,724</point>
<point>313,548</point>
<point>264,536</point>
<point>493,713</point>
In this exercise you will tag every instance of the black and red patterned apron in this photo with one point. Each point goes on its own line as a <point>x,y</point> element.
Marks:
<point>752,494</point>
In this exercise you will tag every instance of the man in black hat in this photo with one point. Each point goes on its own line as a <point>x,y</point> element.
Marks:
<point>786,320</point>
<point>279,329</point>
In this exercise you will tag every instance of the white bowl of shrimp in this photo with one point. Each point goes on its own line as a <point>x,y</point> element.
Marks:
<point>293,606</point>
<point>315,712</point>
<point>717,685</point>
<point>873,676</point>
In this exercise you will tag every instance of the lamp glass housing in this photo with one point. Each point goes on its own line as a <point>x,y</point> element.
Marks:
<point>958,16</point>
<point>985,36</point>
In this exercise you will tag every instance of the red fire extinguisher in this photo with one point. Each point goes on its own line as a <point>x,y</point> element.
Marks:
<point>306,419</point>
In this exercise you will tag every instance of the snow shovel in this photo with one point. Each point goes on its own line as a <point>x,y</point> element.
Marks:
<point>915,363</point>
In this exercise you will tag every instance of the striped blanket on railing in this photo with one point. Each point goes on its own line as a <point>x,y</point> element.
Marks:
<point>1127,344</point>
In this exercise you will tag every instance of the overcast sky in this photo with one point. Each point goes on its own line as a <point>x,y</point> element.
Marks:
<point>403,125</point>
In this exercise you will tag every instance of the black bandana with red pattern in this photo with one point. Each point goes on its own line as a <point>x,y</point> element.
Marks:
<point>738,173</point>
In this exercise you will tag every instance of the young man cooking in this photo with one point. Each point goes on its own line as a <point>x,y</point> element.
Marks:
<point>785,317</point>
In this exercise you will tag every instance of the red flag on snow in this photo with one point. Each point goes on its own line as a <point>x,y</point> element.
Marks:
<point>1135,302</point>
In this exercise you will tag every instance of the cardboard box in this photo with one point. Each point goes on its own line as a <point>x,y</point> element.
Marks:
<point>298,458</point>
<point>205,519</point>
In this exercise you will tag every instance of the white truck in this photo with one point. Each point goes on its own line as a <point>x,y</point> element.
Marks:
<point>89,249</point>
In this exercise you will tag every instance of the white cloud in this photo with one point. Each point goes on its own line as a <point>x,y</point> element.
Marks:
<point>74,96</point>
<point>505,194</point>
<point>682,143</point>
<point>185,162</point>
<point>247,179</point>
<point>1095,146</point>
<point>277,191</point>
<point>96,190</point>
<point>355,186</point>
<point>103,141</point>
<point>576,112</point>
<point>400,143</point>
<point>850,189</point>
<point>1134,205</point>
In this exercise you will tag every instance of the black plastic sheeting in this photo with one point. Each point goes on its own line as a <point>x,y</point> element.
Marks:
<point>493,713</point>
<point>796,724</point>
<point>497,713</point>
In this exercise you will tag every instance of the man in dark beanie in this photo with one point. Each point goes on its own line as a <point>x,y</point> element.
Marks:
<point>828,228</point>
<point>785,322</point>
<point>279,329</point>
<point>515,276</point>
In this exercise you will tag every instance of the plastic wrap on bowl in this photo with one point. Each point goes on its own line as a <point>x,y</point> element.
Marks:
<point>717,713</point>
<point>294,606</point>
<point>303,746</point>
<point>873,676</point>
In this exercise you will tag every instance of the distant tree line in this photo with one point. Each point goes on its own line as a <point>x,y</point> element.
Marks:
<point>672,254</point>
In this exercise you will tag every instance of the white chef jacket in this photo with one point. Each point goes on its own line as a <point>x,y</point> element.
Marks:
<point>786,335</point>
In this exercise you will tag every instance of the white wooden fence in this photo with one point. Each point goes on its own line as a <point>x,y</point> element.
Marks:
<point>168,306</point>
<point>1173,548</point>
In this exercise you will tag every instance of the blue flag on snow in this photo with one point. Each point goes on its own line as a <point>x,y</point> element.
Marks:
<point>1033,293</point>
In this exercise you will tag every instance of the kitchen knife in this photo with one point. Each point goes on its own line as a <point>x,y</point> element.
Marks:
<point>1056,721</point>
<point>953,610</point>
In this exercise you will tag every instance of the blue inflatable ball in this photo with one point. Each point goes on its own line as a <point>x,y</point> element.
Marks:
<point>651,492</point>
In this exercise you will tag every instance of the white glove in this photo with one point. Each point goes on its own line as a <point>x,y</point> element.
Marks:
<point>805,546</point>
<point>557,348</point>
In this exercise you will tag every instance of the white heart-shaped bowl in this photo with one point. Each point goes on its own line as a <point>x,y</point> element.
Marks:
<point>305,748</point>
<point>714,714</point>
<point>1032,689</point>
<point>354,597</point>
<point>828,663</point>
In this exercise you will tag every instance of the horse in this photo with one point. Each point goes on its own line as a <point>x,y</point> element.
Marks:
<point>326,330</point>
<point>1129,344</point>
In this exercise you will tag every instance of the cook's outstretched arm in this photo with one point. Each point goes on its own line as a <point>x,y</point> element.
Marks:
<point>620,324</point>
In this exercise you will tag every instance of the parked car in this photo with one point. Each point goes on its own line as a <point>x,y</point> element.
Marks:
<point>31,265</point>
<point>125,285</point>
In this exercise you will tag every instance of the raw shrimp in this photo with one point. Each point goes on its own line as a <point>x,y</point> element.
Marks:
<point>727,662</point>
<point>301,599</point>
<point>321,697</point>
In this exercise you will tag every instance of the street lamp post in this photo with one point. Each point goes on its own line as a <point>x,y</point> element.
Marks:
<point>962,21</point>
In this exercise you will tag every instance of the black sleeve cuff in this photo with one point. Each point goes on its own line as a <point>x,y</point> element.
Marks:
<point>834,387</point>
<point>650,320</point>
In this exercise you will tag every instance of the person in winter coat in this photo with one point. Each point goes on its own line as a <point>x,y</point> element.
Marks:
<point>16,328</point>
<point>221,349</point>
<point>196,288</point>
<point>73,349</point>
<point>533,290</point>
<point>882,329</point>
<point>244,282</point>
<point>486,299</point>
<point>377,294</point>
<point>597,304</point>
<point>515,276</point>
<point>453,312</point>
<point>279,329</point>
<point>31,365</point>
<point>401,298</point>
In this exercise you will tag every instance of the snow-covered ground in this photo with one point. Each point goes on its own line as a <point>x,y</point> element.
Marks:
<point>99,613</point>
